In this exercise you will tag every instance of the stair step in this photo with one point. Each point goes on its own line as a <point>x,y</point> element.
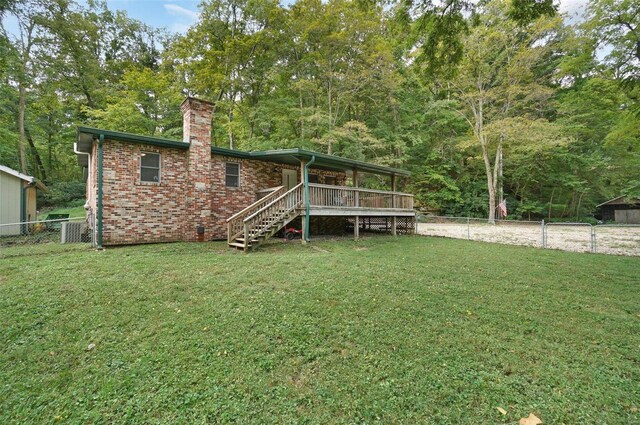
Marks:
<point>241,240</point>
<point>265,228</point>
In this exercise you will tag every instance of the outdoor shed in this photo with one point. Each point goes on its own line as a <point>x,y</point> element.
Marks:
<point>17,199</point>
<point>622,210</point>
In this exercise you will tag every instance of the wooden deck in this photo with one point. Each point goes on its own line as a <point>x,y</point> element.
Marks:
<point>326,200</point>
<point>264,218</point>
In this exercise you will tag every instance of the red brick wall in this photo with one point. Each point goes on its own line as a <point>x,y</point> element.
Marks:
<point>254,176</point>
<point>142,212</point>
<point>197,132</point>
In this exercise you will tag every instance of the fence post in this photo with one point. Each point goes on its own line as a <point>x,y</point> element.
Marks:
<point>468,230</point>
<point>593,239</point>
<point>544,239</point>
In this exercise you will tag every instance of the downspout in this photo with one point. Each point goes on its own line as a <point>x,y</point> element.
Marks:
<point>306,197</point>
<point>24,227</point>
<point>77,152</point>
<point>23,208</point>
<point>99,200</point>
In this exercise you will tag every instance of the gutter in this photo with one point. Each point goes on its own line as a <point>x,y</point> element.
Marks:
<point>77,152</point>
<point>306,197</point>
<point>99,200</point>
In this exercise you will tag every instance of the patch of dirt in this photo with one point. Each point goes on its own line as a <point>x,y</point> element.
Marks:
<point>609,240</point>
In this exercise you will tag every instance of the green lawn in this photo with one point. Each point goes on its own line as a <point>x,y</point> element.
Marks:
<point>73,212</point>
<point>386,330</point>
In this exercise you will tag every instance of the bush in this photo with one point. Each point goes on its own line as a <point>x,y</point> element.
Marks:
<point>62,194</point>
<point>590,220</point>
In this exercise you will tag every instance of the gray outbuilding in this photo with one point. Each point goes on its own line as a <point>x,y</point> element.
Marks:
<point>622,210</point>
<point>17,199</point>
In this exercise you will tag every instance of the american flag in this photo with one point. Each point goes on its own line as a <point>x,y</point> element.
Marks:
<point>503,208</point>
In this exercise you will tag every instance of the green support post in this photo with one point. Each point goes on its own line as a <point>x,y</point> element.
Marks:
<point>99,201</point>
<point>306,197</point>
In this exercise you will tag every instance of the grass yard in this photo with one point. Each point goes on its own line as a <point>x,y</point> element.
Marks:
<point>385,330</point>
<point>73,212</point>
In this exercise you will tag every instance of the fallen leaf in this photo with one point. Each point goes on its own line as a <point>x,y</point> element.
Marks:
<point>501,410</point>
<point>530,420</point>
<point>91,347</point>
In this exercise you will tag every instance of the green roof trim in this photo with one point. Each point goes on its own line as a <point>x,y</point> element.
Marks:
<point>230,152</point>
<point>323,159</point>
<point>290,156</point>
<point>133,138</point>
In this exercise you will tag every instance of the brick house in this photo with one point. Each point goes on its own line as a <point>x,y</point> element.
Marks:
<point>144,189</point>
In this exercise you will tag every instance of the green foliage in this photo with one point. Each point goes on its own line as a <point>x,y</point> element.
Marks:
<point>527,11</point>
<point>400,85</point>
<point>62,194</point>
<point>145,104</point>
<point>616,23</point>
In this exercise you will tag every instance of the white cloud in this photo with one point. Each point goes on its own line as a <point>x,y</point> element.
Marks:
<point>180,28</point>
<point>174,9</point>
<point>574,9</point>
<point>184,17</point>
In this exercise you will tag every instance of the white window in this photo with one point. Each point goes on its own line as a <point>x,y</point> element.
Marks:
<point>150,167</point>
<point>232,176</point>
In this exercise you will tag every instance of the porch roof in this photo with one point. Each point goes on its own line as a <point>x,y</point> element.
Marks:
<point>295,155</point>
<point>86,136</point>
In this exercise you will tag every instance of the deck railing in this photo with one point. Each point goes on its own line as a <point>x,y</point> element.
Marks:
<point>321,195</point>
<point>261,221</point>
<point>235,225</point>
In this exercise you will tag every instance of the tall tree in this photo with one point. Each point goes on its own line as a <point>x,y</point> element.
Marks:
<point>23,43</point>
<point>496,81</point>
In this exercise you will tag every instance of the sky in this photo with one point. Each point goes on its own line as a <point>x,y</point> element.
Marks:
<point>175,15</point>
<point>178,15</point>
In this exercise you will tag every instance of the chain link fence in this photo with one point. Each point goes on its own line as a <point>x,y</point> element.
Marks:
<point>620,239</point>
<point>58,231</point>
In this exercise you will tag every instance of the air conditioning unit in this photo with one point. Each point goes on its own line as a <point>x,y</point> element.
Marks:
<point>73,232</point>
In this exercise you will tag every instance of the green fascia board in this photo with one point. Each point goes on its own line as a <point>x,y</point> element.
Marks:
<point>134,138</point>
<point>331,160</point>
<point>322,159</point>
<point>230,152</point>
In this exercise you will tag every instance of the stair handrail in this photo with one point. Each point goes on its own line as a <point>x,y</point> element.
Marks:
<point>266,216</point>
<point>274,201</point>
<point>234,223</point>
<point>262,200</point>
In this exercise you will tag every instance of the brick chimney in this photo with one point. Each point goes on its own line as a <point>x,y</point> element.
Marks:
<point>196,124</point>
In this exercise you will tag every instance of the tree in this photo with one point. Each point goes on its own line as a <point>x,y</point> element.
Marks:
<point>23,43</point>
<point>496,80</point>
<point>616,23</point>
<point>441,26</point>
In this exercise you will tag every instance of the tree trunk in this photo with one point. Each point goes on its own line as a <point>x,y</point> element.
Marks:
<point>490,173</point>
<point>49,147</point>
<point>231,137</point>
<point>42,173</point>
<point>23,138</point>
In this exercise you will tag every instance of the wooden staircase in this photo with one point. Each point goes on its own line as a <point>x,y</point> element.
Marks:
<point>261,220</point>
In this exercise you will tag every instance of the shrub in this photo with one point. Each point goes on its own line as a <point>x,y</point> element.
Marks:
<point>62,194</point>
